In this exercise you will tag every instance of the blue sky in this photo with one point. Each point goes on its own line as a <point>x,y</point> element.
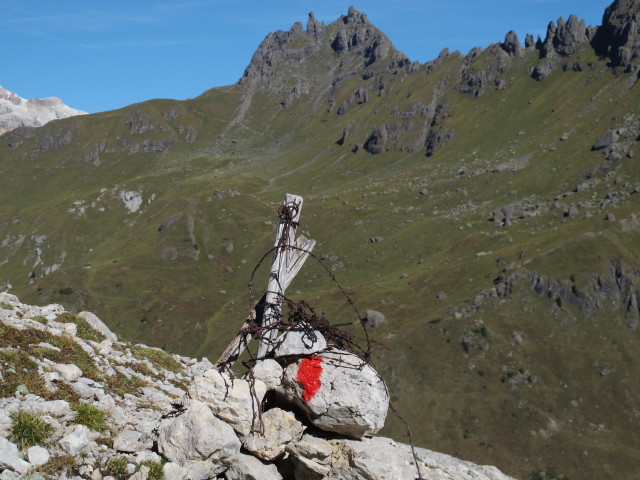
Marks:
<point>103,55</point>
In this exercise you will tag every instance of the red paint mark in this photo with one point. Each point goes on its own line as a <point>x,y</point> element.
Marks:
<point>309,376</point>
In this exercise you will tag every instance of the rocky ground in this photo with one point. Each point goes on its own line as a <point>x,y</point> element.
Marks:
<point>76,402</point>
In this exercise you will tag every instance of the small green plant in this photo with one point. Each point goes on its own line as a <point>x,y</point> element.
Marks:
<point>57,465</point>
<point>39,319</point>
<point>159,358</point>
<point>155,470</point>
<point>89,416</point>
<point>85,331</point>
<point>28,429</point>
<point>117,467</point>
<point>65,291</point>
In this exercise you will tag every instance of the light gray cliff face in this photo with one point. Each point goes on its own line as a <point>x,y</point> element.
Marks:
<point>168,415</point>
<point>17,112</point>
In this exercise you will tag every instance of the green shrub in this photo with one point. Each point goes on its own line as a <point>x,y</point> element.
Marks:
<point>89,416</point>
<point>28,429</point>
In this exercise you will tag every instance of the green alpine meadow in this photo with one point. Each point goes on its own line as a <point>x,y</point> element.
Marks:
<point>487,205</point>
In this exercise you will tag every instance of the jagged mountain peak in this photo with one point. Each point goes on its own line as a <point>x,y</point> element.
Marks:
<point>619,38</point>
<point>349,43</point>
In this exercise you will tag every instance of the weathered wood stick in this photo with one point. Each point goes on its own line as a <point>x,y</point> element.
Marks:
<point>285,237</point>
<point>298,256</point>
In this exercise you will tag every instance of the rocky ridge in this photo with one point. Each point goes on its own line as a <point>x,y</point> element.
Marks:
<point>166,416</point>
<point>17,112</point>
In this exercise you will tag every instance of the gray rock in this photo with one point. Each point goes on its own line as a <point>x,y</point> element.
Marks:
<point>230,400</point>
<point>76,440</point>
<point>377,141</point>
<point>98,325</point>
<point>68,372</point>
<point>10,459</point>
<point>38,455</point>
<point>174,471</point>
<point>511,44</point>
<point>147,456</point>
<point>609,137</point>
<point>542,71</point>
<point>277,430</point>
<point>269,372</point>
<point>618,37</point>
<point>246,467</point>
<point>198,441</point>
<point>299,343</point>
<point>313,448</point>
<point>340,393</point>
<point>130,441</point>
<point>141,474</point>
<point>306,469</point>
<point>373,318</point>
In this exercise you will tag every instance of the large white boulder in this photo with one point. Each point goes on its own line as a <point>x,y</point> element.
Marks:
<point>10,459</point>
<point>198,441</point>
<point>339,392</point>
<point>77,439</point>
<point>247,467</point>
<point>279,428</point>
<point>231,400</point>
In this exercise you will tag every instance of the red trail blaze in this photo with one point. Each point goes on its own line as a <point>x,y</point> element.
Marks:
<point>309,376</point>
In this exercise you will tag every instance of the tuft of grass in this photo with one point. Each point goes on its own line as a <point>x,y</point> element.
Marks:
<point>155,472</point>
<point>159,358</point>
<point>6,306</point>
<point>85,331</point>
<point>117,467</point>
<point>121,385</point>
<point>40,319</point>
<point>28,429</point>
<point>89,416</point>
<point>58,465</point>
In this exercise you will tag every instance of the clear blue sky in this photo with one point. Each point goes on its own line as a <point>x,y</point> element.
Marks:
<point>102,55</point>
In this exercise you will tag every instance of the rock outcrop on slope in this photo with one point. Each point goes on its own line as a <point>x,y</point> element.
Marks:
<point>619,37</point>
<point>156,415</point>
<point>17,112</point>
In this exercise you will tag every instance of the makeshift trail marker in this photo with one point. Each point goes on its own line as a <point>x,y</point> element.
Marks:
<point>289,255</point>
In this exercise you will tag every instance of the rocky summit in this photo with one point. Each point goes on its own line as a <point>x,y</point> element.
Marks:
<point>17,112</point>
<point>78,403</point>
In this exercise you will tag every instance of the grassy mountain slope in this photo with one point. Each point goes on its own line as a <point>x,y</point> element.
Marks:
<point>506,260</point>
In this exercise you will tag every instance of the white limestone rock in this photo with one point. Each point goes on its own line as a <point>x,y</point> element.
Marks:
<point>313,448</point>
<point>37,455</point>
<point>380,457</point>
<point>299,343</point>
<point>131,441</point>
<point>348,397</point>
<point>98,325</point>
<point>68,371</point>
<point>76,440</point>
<point>230,400</point>
<point>10,459</point>
<point>174,471</point>
<point>279,428</point>
<point>147,456</point>
<point>141,474</point>
<point>198,441</point>
<point>270,372</point>
<point>246,467</point>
